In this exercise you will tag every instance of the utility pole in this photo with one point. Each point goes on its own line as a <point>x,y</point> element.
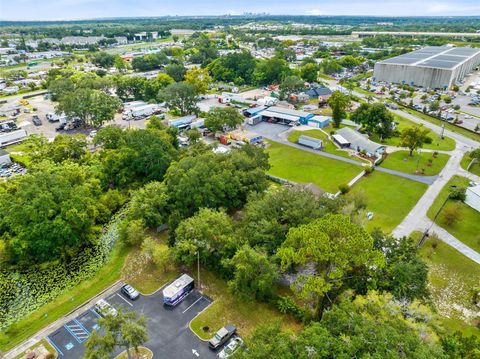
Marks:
<point>198,269</point>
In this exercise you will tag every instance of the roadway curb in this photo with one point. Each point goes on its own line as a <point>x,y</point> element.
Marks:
<point>43,333</point>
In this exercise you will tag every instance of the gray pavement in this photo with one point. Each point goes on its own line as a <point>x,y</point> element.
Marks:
<point>169,334</point>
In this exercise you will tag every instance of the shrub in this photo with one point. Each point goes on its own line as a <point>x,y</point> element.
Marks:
<point>132,232</point>
<point>368,169</point>
<point>457,194</point>
<point>344,188</point>
<point>451,215</point>
<point>158,253</point>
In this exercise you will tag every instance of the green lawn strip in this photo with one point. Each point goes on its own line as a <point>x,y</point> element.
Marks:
<point>474,168</point>
<point>467,229</point>
<point>389,197</point>
<point>304,167</point>
<point>65,303</point>
<point>445,144</point>
<point>417,163</point>
<point>451,278</point>
<point>44,343</point>
<point>448,126</point>
<point>328,146</point>
<point>227,308</point>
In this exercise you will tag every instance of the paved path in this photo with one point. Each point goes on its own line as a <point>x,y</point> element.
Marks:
<point>417,219</point>
<point>282,138</point>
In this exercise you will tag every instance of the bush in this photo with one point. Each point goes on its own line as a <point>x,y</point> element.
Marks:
<point>158,253</point>
<point>457,194</point>
<point>132,232</point>
<point>287,305</point>
<point>344,188</point>
<point>368,169</point>
<point>451,215</point>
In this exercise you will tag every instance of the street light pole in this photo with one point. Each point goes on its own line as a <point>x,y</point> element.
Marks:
<point>198,269</point>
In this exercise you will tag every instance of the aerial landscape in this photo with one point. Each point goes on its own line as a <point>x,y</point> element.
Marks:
<point>239,180</point>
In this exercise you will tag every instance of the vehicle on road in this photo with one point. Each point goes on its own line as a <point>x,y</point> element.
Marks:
<point>36,120</point>
<point>104,308</point>
<point>233,345</point>
<point>130,292</point>
<point>175,292</point>
<point>222,336</point>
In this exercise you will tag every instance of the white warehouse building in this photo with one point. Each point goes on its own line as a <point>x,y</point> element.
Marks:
<point>430,67</point>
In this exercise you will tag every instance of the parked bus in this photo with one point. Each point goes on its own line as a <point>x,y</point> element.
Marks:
<point>175,292</point>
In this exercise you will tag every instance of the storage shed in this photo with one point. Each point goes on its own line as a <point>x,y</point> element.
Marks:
<point>13,137</point>
<point>319,121</point>
<point>311,142</point>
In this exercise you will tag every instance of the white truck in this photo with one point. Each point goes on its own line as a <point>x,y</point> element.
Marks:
<point>140,112</point>
<point>53,117</point>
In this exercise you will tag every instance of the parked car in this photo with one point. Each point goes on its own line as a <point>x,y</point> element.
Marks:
<point>233,345</point>
<point>36,120</point>
<point>60,127</point>
<point>222,336</point>
<point>130,292</point>
<point>104,308</point>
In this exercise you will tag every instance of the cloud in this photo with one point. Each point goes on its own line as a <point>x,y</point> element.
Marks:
<point>448,8</point>
<point>315,12</point>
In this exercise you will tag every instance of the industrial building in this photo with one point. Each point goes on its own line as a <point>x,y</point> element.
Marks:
<point>430,67</point>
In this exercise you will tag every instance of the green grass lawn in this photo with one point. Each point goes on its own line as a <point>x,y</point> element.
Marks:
<point>448,126</point>
<point>65,303</point>
<point>389,197</point>
<point>475,168</point>
<point>304,167</point>
<point>451,278</point>
<point>467,228</point>
<point>446,144</point>
<point>227,308</point>
<point>328,146</point>
<point>417,164</point>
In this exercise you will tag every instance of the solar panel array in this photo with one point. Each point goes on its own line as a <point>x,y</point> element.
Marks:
<point>434,56</point>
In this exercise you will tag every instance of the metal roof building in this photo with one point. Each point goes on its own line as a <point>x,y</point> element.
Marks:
<point>358,142</point>
<point>432,66</point>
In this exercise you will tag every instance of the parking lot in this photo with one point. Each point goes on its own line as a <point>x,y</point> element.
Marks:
<point>169,335</point>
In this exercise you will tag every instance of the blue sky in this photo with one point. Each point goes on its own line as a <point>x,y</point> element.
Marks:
<point>86,9</point>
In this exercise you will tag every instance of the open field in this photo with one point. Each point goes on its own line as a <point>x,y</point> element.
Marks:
<point>446,144</point>
<point>389,197</point>
<point>467,228</point>
<point>451,277</point>
<point>304,167</point>
<point>417,163</point>
<point>474,168</point>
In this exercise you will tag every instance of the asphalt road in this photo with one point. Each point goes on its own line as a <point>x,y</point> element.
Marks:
<point>168,328</point>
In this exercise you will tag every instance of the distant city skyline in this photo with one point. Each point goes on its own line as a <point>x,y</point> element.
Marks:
<point>90,9</point>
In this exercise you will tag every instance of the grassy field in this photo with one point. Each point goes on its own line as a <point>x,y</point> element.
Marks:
<point>451,277</point>
<point>65,303</point>
<point>417,163</point>
<point>304,167</point>
<point>475,168</point>
<point>446,144</point>
<point>448,126</point>
<point>389,197</point>
<point>467,228</point>
<point>228,308</point>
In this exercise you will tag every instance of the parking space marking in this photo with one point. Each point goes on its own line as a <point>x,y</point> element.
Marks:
<point>126,301</point>
<point>55,346</point>
<point>191,305</point>
<point>96,314</point>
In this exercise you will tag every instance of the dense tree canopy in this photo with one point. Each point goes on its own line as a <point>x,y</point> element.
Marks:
<point>220,117</point>
<point>180,96</point>
<point>50,212</point>
<point>336,247</point>
<point>375,118</point>
<point>339,103</point>
<point>236,67</point>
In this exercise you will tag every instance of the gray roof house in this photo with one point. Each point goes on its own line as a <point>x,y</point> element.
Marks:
<point>359,142</point>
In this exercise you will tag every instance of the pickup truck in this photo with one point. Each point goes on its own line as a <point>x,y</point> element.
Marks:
<point>222,336</point>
